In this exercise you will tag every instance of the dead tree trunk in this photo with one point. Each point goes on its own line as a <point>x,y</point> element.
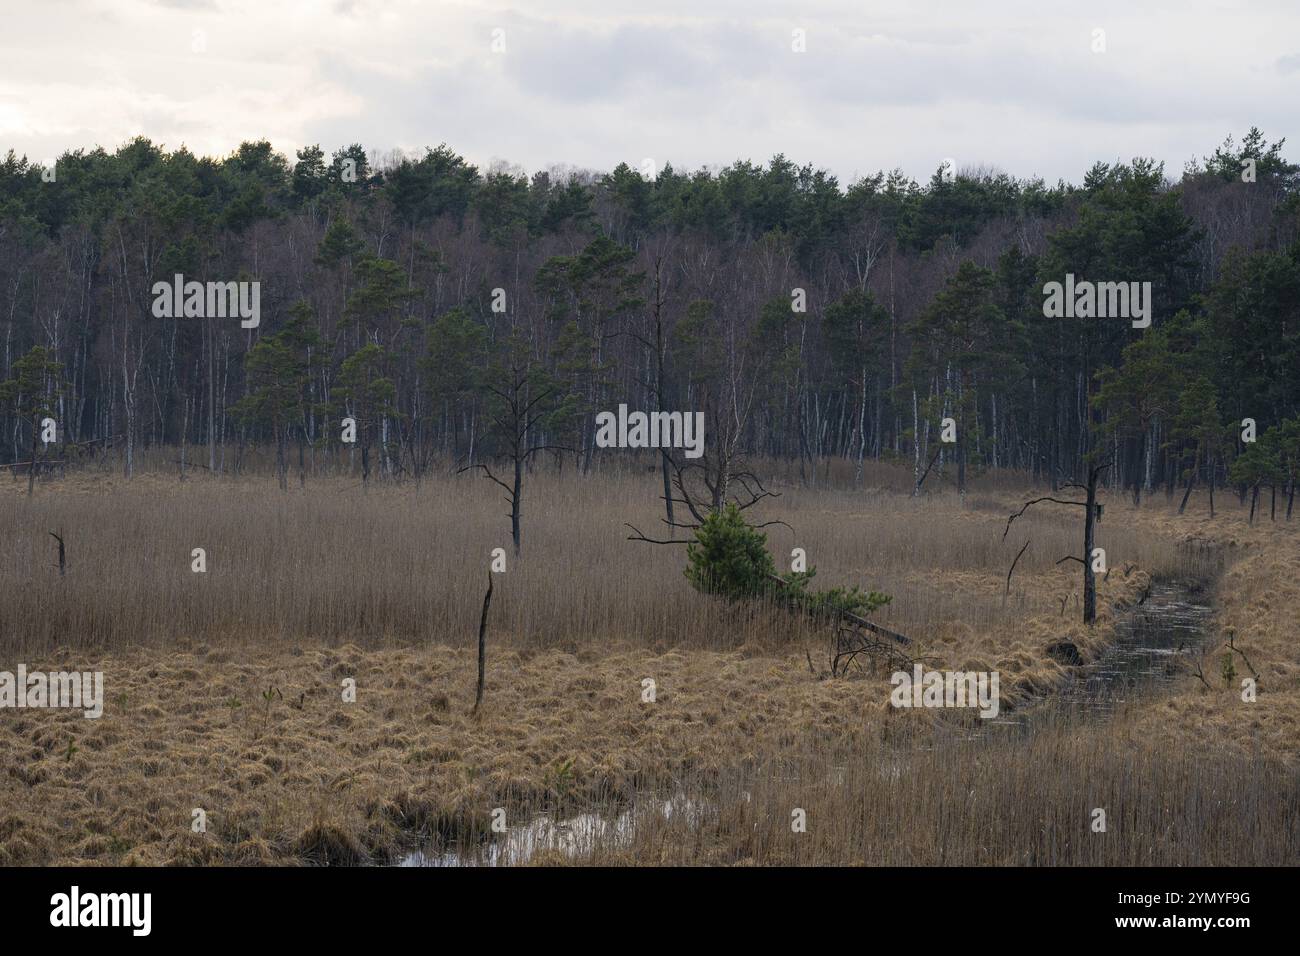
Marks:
<point>1091,512</point>
<point>482,647</point>
<point>1089,539</point>
<point>63,564</point>
<point>661,385</point>
<point>916,490</point>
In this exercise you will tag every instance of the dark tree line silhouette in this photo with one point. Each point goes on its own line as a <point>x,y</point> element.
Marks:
<point>430,302</point>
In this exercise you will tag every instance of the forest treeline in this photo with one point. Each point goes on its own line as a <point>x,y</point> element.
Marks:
<point>461,316</point>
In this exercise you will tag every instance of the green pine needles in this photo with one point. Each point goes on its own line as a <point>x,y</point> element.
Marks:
<point>729,557</point>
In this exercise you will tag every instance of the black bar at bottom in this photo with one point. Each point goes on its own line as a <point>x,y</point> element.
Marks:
<point>335,906</point>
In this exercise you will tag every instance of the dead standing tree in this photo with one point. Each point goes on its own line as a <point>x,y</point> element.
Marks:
<point>63,555</point>
<point>724,377</point>
<point>521,405</point>
<point>1091,515</point>
<point>482,647</point>
<point>702,486</point>
<point>723,355</point>
<point>727,555</point>
<point>660,387</point>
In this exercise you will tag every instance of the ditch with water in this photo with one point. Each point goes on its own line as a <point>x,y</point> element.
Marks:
<point>1172,620</point>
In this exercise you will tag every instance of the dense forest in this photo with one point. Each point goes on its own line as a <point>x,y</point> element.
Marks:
<point>459,316</point>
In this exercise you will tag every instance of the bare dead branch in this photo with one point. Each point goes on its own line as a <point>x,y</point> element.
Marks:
<point>487,471</point>
<point>679,524</point>
<point>638,536</point>
<point>536,448</point>
<point>920,481</point>
<point>1232,646</point>
<point>1027,504</point>
<point>1012,571</point>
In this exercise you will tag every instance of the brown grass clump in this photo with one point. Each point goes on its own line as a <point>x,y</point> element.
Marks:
<point>333,782</point>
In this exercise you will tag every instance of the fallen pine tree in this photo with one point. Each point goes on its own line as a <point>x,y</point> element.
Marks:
<point>729,558</point>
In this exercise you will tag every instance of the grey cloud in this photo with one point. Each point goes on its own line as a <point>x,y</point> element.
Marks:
<point>594,82</point>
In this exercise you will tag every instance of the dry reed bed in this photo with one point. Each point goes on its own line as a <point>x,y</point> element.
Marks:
<point>988,803</point>
<point>309,587</point>
<point>334,564</point>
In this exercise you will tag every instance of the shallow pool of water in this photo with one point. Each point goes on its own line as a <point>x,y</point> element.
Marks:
<point>574,836</point>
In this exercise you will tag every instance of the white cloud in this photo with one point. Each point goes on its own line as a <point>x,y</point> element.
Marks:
<point>595,82</point>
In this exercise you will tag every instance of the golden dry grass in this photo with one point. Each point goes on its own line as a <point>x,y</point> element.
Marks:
<point>335,564</point>
<point>1258,601</point>
<point>405,757</point>
<point>306,588</point>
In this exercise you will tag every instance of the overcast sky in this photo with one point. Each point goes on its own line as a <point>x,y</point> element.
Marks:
<point>591,83</point>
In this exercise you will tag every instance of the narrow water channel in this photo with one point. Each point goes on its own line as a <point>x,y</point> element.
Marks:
<point>1172,621</point>
<point>1143,657</point>
<point>1150,639</point>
